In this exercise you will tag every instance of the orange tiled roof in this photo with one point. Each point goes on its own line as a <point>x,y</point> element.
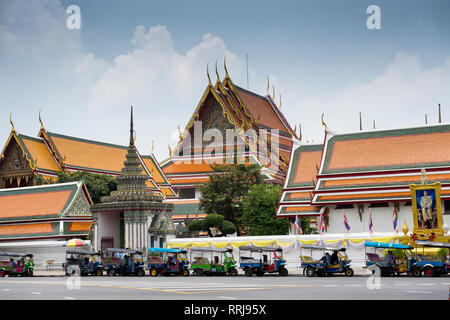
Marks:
<point>40,153</point>
<point>89,154</point>
<point>32,228</point>
<point>303,166</point>
<point>80,226</point>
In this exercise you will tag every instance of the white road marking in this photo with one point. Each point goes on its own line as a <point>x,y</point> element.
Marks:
<point>419,291</point>
<point>402,284</point>
<point>230,298</point>
<point>6,289</point>
<point>425,284</point>
<point>35,292</point>
<point>353,285</point>
<point>330,285</point>
<point>69,298</point>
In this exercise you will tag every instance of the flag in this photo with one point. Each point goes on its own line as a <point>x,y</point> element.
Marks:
<point>346,223</point>
<point>322,225</point>
<point>394,221</point>
<point>370,222</point>
<point>298,225</point>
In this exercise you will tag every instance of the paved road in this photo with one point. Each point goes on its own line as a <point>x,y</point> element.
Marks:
<point>224,288</point>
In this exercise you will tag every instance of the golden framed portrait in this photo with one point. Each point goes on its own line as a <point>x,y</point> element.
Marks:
<point>426,208</point>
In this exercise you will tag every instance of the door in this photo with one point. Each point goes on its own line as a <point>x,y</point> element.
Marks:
<point>107,243</point>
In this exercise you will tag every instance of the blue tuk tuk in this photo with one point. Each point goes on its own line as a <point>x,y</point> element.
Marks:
<point>166,261</point>
<point>430,266</point>
<point>262,260</point>
<point>389,265</point>
<point>83,262</point>
<point>338,262</point>
<point>124,262</point>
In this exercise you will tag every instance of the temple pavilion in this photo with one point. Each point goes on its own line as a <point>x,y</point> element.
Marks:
<point>366,174</point>
<point>225,107</point>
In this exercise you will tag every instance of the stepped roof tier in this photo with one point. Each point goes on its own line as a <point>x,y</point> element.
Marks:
<point>25,158</point>
<point>44,212</point>
<point>365,167</point>
<point>226,106</point>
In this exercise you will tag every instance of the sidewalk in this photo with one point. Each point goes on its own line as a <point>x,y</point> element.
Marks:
<point>49,273</point>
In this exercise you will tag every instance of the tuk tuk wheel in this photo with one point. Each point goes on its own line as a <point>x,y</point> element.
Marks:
<point>283,272</point>
<point>417,272</point>
<point>99,272</point>
<point>141,272</point>
<point>248,272</point>
<point>259,273</point>
<point>112,272</point>
<point>153,272</point>
<point>428,272</point>
<point>185,272</point>
<point>198,272</point>
<point>233,272</point>
<point>2,273</point>
<point>349,272</point>
<point>310,272</point>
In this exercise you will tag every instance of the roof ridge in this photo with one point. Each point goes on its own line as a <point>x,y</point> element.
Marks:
<point>42,186</point>
<point>58,135</point>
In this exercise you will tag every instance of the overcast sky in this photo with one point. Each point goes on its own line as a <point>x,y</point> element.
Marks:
<point>152,55</point>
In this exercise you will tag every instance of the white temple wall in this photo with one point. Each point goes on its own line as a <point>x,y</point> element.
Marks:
<point>108,227</point>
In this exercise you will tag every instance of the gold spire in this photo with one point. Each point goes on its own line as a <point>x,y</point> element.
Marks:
<point>295,131</point>
<point>170,151</point>
<point>209,78</point>
<point>268,86</point>
<point>300,132</point>
<point>153,145</point>
<point>180,135</point>
<point>132,135</point>
<point>40,120</point>
<point>225,67</point>
<point>424,176</point>
<point>405,228</point>
<point>323,122</point>
<point>12,124</point>
<point>217,74</point>
<point>279,107</point>
<point>273,92</point>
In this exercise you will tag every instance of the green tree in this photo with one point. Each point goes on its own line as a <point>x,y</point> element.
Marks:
<point>227,186</point>
<point>213,221</point>
<point>98,185</point>
<point>259,208</point>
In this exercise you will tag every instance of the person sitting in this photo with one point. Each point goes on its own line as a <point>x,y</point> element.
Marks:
<point>12,262</point>
<point>326,259</point>
<point>390,258</point>
<point>334,257</point>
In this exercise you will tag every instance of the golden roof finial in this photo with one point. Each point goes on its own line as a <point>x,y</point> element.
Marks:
<point>180,134</point>
<point>209,78</point>
<point>279,107</point>
<point>225,67</point>
<point>300,132</point>
<point>40,120</point>
<point>153,145</point>
<point>424,176</point>
<point>295,130</point>
<point>12,124</point>
<point>323,122</point>
<point>268,86</point>
<point>170,151</point>
<point>217,74</point>
<point>273,92</point>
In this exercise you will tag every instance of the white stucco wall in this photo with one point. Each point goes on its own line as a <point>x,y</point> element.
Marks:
<point>108,227</point>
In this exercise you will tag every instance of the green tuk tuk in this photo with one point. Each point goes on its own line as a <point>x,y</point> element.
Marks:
<point>213,261</point>
<point>22,266</point>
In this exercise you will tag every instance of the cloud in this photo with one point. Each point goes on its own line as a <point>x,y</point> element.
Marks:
<point>399,96</point>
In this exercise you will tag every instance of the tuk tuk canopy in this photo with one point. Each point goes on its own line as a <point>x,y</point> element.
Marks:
<point>166,250</point>
<point>318,247</point>
<point>201,249</point>
<point>15,254</point>
<point>120,250</point>
<point>433,244</point>
<point>83,252</point>
<point>260,249</point>
<point>386,245</point>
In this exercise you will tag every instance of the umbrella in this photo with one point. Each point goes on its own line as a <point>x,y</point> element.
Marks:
<point>75,243</point>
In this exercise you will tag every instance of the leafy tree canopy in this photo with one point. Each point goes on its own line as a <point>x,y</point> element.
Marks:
<point>216,221</point>
<point>259,208</point>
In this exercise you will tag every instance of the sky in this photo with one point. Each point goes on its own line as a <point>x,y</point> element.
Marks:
<point>152,55</point>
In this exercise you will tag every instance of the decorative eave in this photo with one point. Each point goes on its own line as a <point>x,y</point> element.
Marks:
<point>15,136</point>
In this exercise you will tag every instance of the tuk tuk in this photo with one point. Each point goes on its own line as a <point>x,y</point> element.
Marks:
<point>262,260</point>
<point>124,262</point>
<point>389,265</point>
<point>430,266</point>
<point>220,262</point>
<point>83,262</point>
<point>166,261</point>
<point>22,266</point>
<point>328,265</point>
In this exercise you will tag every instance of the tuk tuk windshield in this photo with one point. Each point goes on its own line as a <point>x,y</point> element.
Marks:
<point>279,254</point>
<point>182,255</point>
<point>137,257</point>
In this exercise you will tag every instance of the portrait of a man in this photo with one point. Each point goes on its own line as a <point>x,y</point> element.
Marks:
<point>426,209</point>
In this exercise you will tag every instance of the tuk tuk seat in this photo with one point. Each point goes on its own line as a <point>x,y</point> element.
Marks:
<point>198,260</point>
<point>205,260</point>
<point>306,259</point>
<point>373,257</point>
<point>6,264</point>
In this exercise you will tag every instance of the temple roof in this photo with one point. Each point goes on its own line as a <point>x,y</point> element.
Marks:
<point>40,202</point>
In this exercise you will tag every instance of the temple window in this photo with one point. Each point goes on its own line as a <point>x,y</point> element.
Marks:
<point>446,206</point>
<point>345,206</point>
<point>379,205</point>
<point>186,193</point>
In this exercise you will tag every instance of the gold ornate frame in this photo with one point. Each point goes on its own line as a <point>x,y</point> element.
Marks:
<point>437,191</point>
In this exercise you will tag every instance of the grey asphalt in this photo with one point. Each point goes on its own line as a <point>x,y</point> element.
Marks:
<point>268,287</point>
